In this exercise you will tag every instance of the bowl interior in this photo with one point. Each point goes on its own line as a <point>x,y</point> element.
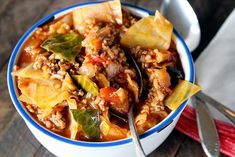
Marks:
<point>183,51</point>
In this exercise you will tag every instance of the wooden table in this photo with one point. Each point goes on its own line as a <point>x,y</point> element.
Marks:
<point>17,16</point>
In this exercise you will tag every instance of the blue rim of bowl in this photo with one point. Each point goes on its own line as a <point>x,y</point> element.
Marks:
<point>26,116</point>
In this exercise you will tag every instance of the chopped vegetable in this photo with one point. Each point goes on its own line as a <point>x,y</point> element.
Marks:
<point>87,84</point>
<point>92,41</point>
<point>68,83</point>
<point>123,107</point>
<point>103,12</point>
<point>67,46</point>
<point>108,93</point>
<point>73,126</point>
<point>181,92</point>
<point>123,95</point>
<point>89,121</point>
<point>113,69</point>
<point>30,72</point>
<point>118,98</point>
<point>163,56</point>
<point>26,99</point>
<point>96,59</point>
<point>175,74</point>
<point>132,85</point>
<point>42,93</point>
<point>102,80</point>
<point>149,32</point>
<point>112,131</point>
<point>159,77</point>
<point>72,103</point>
<point>88,69</point>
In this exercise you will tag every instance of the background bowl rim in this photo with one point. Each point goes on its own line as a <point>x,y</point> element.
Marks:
<point>157,128</point>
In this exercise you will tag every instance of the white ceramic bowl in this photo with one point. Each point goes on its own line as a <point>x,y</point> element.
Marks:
<point>61,146</point>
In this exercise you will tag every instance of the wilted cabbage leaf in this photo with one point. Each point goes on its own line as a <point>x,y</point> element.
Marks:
<point>132,85</point>
<point>149,32</point>
<point>87,84</point>
<point>66,46</point>
<point>89,121</point>
<point>183,90</point>
<point>30,72</point>
<point>68,83</point>
<point>111,131</point>
<point>103,12</point>
<point>102,80</point>
<point>42,93</point>
<point>24,98</point>
<point>73,126</point>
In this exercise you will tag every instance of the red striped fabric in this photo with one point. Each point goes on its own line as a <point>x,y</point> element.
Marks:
<point>187,125</point>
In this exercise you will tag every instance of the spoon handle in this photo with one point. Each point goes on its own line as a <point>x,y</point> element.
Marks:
<point>220,107</point>
<point>206,128</point>
<point>139,149</point>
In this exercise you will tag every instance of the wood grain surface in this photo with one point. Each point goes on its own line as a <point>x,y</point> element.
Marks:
<point>15,18</point>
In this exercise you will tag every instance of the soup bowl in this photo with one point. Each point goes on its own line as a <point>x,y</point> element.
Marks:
<point>61,146</point>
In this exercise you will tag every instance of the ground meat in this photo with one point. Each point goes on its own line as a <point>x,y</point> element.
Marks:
<point>128,20</point>
<point>58,120</point>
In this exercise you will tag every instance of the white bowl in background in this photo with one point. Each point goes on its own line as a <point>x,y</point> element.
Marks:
<point>184,19</point>
<point>61,146</point>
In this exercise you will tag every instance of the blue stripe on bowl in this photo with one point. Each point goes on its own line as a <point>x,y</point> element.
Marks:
<point>28,118</point>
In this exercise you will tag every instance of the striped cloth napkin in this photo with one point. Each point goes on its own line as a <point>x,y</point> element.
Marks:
<point>187,125</point>
<point>215,72</point>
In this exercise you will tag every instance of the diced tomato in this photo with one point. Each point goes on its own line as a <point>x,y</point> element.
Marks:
<point>98,59</point>
<point>95,59</point>
<point>96,43</point>
<point>118,100</point>
<point>88,58</point>
<point>109,94</point>
<point>59,108</point>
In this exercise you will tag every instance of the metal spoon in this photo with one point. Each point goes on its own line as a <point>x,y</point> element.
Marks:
<point>135,136</point>
<point>206,128</point>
